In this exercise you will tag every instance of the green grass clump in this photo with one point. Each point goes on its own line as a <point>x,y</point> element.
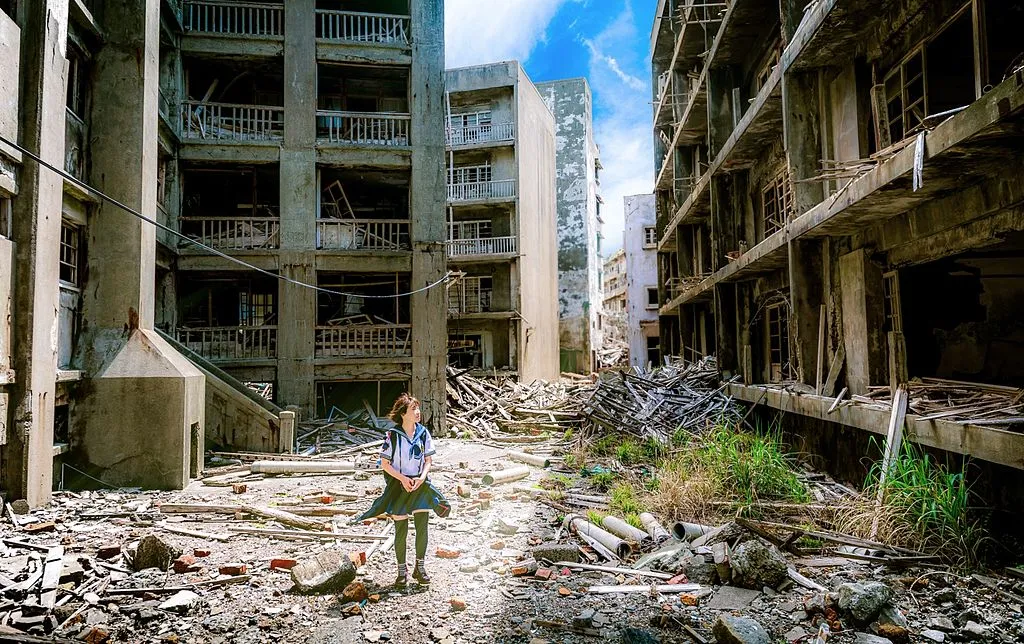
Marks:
<point>634,520</point>
<point>603,480</point>
<point>629,452</point>
<point>568,435</point>
<point>605,446</point>
<point>624,500</point>
<point>750,466</point>
<point>595,517</point>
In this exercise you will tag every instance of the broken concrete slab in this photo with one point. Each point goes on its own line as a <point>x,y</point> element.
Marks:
<point>729,533</point>
<point>729,629</point>
<point>328,571</point>
<point>552,551</point>
<point>732,598</point>
<point>180,602</point>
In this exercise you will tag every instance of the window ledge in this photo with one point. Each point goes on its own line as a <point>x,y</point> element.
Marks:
<point>69,375</point>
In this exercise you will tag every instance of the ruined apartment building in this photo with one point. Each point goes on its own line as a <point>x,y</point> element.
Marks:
<point>640,246</point>
<point>502,310</point>
<point>764,248</point>
<point>579,218</point>
<point>613,307</point>
<point>84,378</point>
<point>307,139</point>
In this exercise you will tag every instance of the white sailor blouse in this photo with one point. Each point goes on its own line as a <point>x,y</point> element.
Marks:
<point>407,455</point>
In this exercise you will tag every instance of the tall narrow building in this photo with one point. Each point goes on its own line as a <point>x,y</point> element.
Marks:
<point>579,233</point>
<point>502,310</point>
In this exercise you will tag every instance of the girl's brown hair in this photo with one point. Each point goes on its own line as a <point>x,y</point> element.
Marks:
<point>402,404</point>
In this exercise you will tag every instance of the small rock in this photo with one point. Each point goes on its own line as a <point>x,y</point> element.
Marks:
<point>553,552</point>
<point>756,564</point>
<point>95,616</point>
<point>893,633</point>
<point>20,506</point>
<point>563,591</point>
<point>148,614</point>
<point>94,635</point>
<point>632,635</point>
<point>457,603</point>
<point>699,571</point>
<point>108,551</point>
<point>815,604</point>
<point>942,624</point>
<point>180,602</point>
<point>326,572</point>
<point>470,566</point>
<point>739,630</point>
<point>796,634</point>
<point>444,553</point>
<point>504,527</point>
<point>498,545</point>
<point>973,631</point>
<point>934,636</point>
<point>154,552</point>
<point>355,592</point>
<point>372,636</point>
<point>868,638</point>
<point>584,619</point>
<point>438,634</point>
<point>863,602</point>
<point>944,595</point>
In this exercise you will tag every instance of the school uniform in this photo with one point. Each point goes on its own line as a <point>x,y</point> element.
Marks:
<point>408,456</point>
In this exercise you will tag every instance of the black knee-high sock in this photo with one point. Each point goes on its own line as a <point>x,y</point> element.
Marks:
<point>420,519</point>
<point>401,537</point>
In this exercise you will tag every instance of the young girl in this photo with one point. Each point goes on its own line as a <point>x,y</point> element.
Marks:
<point>405,457</point>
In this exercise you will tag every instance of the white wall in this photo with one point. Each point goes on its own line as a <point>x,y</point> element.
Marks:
<point>641,273</point>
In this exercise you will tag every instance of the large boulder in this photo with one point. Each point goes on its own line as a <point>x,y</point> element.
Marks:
<point>154,552</point>
<point>756,565</point>
<point>739,630</point>
<point>864,602</point>
<point>328,571</point>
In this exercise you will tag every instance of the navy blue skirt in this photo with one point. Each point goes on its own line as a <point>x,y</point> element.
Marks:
<point>395,501</point>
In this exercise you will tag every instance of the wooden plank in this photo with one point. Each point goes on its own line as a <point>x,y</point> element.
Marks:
<point>818,376</point>
<point>834,370</point>
<point>835,403</point>
<point>893,444</point>
<point>51,577</point>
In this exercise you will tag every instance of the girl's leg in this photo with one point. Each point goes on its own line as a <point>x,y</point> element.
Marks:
<point>421,519</point>
<point>401,539</point>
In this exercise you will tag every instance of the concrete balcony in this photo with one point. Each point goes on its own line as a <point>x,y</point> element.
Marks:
<point>362,234</point>
<point>482,190</point>
<point>231,343</point>
<point>363,128</point>
<point>481,247</point>
<point>364,341</point>
<point>245,19</point>
<point>234,233</point>
<point>477,134</point>
<point>362,28</point>
<point>229,122</point>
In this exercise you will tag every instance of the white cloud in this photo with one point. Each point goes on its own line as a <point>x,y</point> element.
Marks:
<point>622,125</point>
<point>486,32</point>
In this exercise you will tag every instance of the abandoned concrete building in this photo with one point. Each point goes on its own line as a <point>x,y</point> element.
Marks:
<point>314,180</point>
<point>502,310</point>
<point>640,245</point>
<point>577,165</point>
<point>897,257</point>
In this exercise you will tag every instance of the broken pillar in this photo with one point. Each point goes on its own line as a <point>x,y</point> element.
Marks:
<point>863,317</point>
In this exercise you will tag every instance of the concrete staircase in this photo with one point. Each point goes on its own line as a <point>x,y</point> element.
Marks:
<point>237,419</point>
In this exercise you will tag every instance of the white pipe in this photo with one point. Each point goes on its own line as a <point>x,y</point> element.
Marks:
<point>654,528</point>
<point>301,467</point>
<point>622,529</point>
<point>504,476</point>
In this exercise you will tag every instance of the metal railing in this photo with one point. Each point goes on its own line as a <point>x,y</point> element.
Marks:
<point>233,18</point>
<point>363,128</point>
<point>486,246</point>
<point>353,26</point>
<point>230,343</point>
<point>228,121</point>
<point>502,189</point>
<point>481,134</point>
<point>234,233</point>
<point>358,234</point>
<point>364,341</point>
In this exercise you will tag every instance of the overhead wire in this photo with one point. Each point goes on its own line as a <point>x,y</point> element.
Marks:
<point>98,193</point>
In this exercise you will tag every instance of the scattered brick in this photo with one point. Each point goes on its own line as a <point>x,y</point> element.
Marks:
<point>457,603</point>
<point>543,573</point>
<point>355,592</point>
<point>201,552</point>
<point>282,564</point>
<point>186,563</point>
<point>498,545</point>
<point>563,591</point>
<point>444,553</point>
<point>239,488</point>
<point>109,551</point>
<point>484,494</point>
<point>233,569</point>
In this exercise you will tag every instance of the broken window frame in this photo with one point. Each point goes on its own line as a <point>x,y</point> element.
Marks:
<point>892,302</point>
<point>76,91</point>
<point>478,173</point>
<point>473,229</point>
<point>70,255</point>
<point>777,205</point>
<point>900,104</point>
<point>256,309</point>
<point>478,118</point>
<point>769,61</point>
<point>778,352</point>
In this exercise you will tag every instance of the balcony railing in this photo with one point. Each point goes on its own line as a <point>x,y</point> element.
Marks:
<point>234,233</point>
<point>481,134</point>
<point>227,121</point>
<point>364,341</point>
<point>231,343</point>
<point>233,18</point>
<point>351,26</point>
<point>364,128</point>
<point>359,234</point>
<point>502,189</point>
<point>469,297</point>
<point>488,246</point>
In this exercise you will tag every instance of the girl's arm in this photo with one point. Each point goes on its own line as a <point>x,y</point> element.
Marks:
<point>406,482</point>
<point>426,470</point>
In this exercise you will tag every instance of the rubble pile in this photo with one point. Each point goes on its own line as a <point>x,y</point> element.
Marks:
<point>952,400</point>
<point>656,403</point>
<point>340,430</point>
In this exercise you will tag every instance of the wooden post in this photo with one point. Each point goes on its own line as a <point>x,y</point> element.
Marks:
<point>897,360</point>
<point>287,436</point>
<point>893,444</point>
<point>821,351</point>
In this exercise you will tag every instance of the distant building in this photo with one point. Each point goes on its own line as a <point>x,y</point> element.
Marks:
<point>503,310</point>
<point>579,234</point>
<point>613,314</point>
<point>640,247</point>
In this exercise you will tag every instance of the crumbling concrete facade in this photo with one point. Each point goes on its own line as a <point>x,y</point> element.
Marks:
<point>640,246</point>
<point>502,311</point>
<point>894,259</point>
<point>579,235</point>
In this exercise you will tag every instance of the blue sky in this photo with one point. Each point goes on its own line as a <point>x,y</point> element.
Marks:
<point>606,41</point>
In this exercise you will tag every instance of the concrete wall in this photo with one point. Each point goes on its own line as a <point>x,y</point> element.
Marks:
<point>10,66</point>
<point>579,285</point>
<point>538,263</point>
<point>641,273</point>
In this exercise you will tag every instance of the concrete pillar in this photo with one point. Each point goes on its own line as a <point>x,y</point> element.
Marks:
<point>28,454</point>
<point>429,308</point>
<point>863,319</point>
<point>802,132</point>
<point>138,420</point>
<point>726,219</point>
<point>806,296</point>
<point>296,333</point>
<point>721,81</point>
<point>726,325</point>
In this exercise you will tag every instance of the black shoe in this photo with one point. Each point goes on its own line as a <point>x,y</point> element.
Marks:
<point>421,576</point>
<point>401,581</point>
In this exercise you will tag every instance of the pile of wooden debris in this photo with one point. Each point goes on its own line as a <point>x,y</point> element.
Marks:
<point>956,401</point>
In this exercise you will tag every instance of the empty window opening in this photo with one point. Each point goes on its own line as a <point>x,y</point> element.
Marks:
<point>233,208</point>
<point>6,216</point>
<point>777,321</point>
<point>227,301</point>
<point>391,7</point>
<point>653,350</point>
<point>949,57</point>
<point>363,194</point>
<point>479,173</point>
<point>377,89</point>
<point>234,82</point>
<point>467,351</point>
<point>343,397</point>
<point>776,203</point>
<point>1002,34</point>
<point>354,309</point>
<point>77,90</point>
<point>61,424</point>
<point>471,294</point>
<point>893,314</point>
<point>652,297</point>
<point>905,96</point>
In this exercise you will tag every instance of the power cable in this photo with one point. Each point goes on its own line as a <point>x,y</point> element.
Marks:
<point>210,249</point>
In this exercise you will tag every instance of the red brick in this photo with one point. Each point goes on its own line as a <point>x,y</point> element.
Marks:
<point>457,603</point>
<point>109,551</point>
<point>282,564</point>
<point>239,488</point>
<point>233,569</point>
<point>186,563</point>
<point>200,552</point>
<point>484,494</point>
<point>444,553</point>
<point>543,573</point>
